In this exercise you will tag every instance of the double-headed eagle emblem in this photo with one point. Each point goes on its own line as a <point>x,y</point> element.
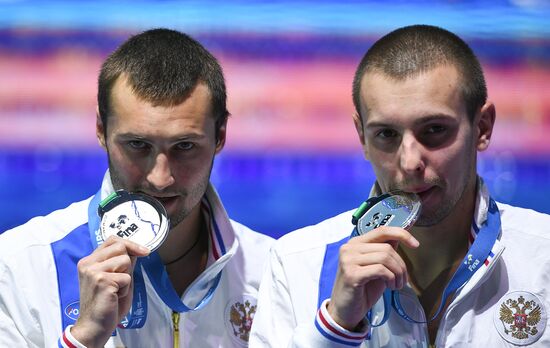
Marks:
<point>241,316</point>
<point>520,317</point>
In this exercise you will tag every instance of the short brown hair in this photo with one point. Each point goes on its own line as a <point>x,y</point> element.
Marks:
<point>163,67</point>
<point>415,49</point>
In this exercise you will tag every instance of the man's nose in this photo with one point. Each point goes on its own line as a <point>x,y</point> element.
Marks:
<point>411,159</point>
<point>160,176</point>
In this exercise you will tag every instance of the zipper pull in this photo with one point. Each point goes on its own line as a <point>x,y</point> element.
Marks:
<point>176,327</point>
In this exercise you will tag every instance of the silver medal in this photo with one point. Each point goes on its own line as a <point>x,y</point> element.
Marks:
<point>396,208</point>
<point>134,216</point>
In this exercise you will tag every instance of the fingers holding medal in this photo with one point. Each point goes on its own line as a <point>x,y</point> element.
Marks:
<point>132,225</point>
<point>369,262</point>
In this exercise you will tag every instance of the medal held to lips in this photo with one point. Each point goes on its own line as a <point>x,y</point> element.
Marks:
<point>134,216</point>
<point>395,208</point>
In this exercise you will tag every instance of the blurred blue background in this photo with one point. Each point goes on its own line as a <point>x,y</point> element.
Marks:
<point>292,156</point>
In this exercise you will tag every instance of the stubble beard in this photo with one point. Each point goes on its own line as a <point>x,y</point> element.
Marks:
<point>447,207</point>
<point>195,196</point>
<point>189,199</point>
<point>442,212</point>
<point>426,218</point>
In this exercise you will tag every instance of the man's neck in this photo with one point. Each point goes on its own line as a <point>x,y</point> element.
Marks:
<point>190,240</point>
<point>441,251</point>
<point>441,248</point>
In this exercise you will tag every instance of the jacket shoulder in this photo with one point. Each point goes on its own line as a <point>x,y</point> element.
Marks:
<point>249,238</point>
<point>316,236</point>
<point>527,222</point>
<point>44,230</point>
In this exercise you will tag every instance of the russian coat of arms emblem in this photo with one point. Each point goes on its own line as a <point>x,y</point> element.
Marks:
<point>521,318</point>
<point>239,316</point>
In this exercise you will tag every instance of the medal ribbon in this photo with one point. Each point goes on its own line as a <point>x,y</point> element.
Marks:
<point>476,256</point>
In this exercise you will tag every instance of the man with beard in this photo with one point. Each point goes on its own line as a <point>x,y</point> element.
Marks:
<point>162,118</point>
<point>470,272</point>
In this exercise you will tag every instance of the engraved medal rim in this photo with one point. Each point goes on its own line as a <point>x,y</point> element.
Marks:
<point>408,222</point>
<point>125,197</point>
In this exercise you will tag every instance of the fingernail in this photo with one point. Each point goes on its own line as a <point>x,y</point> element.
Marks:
<point>414,242</point>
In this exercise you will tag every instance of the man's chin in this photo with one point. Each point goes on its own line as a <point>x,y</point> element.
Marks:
<point>430,218</point>
<point>177,218</point>
<point>426,222</point>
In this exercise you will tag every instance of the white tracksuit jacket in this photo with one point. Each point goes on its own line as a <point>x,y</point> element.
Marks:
<point>504,304</point>
<point>36,260</point>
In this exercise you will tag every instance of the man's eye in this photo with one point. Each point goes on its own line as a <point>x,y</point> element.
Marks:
<point>185,146</point>
<point>386,133</point>
<point>436,135</point>
<point>435,129</point>
<point>137,145</point>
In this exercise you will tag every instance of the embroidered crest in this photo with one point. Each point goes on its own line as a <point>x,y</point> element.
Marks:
<point>520,318</point>
<point>239,314</point>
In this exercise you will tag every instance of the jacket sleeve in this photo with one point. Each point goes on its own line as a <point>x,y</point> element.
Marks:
<point>16,321</point>
<point>11,336</point>
<point>275,324</point>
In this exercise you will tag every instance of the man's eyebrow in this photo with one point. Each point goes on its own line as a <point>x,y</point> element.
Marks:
<point>433,118</point>
<point>377,124</point>
<point>419,121</point>
<point>191,136</point>
<point>180,137</point>
<point>130,135</point>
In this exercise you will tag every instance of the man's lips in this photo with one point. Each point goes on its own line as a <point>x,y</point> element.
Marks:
<point>165,199</point>
<point>421,191</point>
<point>424,192</point>
<point>167,202</point>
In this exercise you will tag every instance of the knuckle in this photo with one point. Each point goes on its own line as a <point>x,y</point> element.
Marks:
<point>108,242</point>
<point>113,238</point>
<point>127,278</point>
<point>343,260</point>
<point>119,247</point>
<point>387,258</point>
<point>99,278</point>
<point>344,249</point>
<point>126,261</point>
<point>379,269</point>
<point>85,266</point>
<point>386,247</point>
<point>82,264</point>
<point>348,273</point>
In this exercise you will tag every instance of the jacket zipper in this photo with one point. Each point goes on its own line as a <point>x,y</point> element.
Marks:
<point>453,304</point>
<point>176,327</point>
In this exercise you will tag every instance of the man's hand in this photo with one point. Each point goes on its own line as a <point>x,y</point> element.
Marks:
<point>106,286</point>
<point>367,265</point>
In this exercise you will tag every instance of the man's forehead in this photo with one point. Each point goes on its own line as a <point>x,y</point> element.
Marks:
<point>431,93</point>
<point>378,75</point>
<point>123,86</point>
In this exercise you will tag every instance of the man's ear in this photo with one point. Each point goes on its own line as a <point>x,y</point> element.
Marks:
<point>221,134</point>
<point>485,126</point>
<point>99,129</point>
<point>358,121</point>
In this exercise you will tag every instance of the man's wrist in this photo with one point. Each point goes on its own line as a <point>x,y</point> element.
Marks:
<point>333,331</point>
<point>67,340</point>
<point>350,326</point>
<point>85,336</point>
